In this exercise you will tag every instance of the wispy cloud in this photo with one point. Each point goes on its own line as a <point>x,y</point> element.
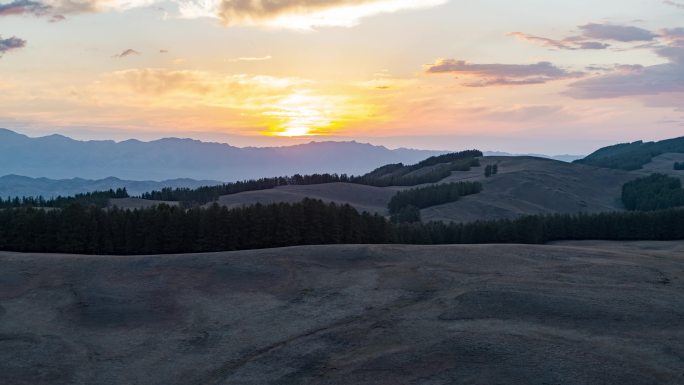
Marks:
<point>571,43</point>
<point>249,58</point>
<point>638,80</point>
<point>11,44</point>
<point>126,53</point>
<point>298,14</point>
<point>501,74</point>
<point>593,36</point>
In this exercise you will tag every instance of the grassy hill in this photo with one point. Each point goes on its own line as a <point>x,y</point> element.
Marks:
<point>578,313</point>
<point>632,156</point>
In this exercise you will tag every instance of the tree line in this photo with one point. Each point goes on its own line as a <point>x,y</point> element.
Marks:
<point>632,156</point>
<point>206,194</point>
<point>96,198</point>
<point>166,229</point>
<point>679,166</point>
<point>439,167</point>
<point>433,195</point>
<point>654,192</point>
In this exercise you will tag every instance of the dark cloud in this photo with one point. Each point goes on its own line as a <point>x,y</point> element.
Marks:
<point>11,44</point>
<point>674,4</point>
<point>570,43</point>
<point>593,37</point>
<point>593,45</point>
<point>621,33</point>
<point>127,52</point>
<point>56,18</point>
<point>24,7</point>
<point>502,74</point>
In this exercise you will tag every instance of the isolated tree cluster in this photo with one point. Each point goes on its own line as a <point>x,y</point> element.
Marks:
<point>679,166</point>
<point>654,192</point>
<point>433,195</point>
<point>491,170</point>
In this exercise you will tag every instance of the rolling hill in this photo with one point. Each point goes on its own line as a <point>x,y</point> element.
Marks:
<point>632,156</point>
<point>572,313</point>
<point>524,186</point>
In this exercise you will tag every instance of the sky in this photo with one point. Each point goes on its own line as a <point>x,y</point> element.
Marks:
<point>542,76</point>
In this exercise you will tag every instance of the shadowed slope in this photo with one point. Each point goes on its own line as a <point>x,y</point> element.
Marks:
<point>594,312</point>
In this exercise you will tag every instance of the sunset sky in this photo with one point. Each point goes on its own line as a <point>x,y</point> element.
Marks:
<point>562,76</point>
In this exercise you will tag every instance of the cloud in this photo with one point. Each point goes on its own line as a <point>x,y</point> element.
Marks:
<point>638,80</point>
<point>674,4</point>
<point>294,14</point>
<point>297,14</point>
<point>502,74</point>
<point>11,44</point>
<point>127,52</point>
<point>572,43</point>
<point>24,7</point>
<point>593,36</point>
<point>249,58</point>
<point>158,81</point>
<point>620,33</point>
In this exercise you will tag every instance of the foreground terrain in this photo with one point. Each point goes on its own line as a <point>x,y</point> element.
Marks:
<point>571,313</point>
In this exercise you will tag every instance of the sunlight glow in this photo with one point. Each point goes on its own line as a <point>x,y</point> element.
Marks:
<point>346,16</point>
<point>301,114</point>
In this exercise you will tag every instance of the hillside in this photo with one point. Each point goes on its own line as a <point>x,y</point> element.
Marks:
<point>632,156</point>
<point>663,164</point>
<point>524,185</point>
<point>578,313</point>
<point>363,198</point>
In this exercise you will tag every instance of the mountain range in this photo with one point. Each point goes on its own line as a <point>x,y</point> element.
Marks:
<point>19,186</point>
<point>60,157</point>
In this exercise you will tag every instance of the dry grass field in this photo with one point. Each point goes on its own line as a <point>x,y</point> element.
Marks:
<point>569,313</point>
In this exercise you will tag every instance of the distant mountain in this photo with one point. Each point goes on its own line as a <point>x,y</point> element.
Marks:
<point>60,157</point>
<point>632,156</point>
<point>15,185</point>
<point>563,158</point>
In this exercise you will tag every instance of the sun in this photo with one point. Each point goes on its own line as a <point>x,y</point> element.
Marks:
<point>301,114</point>
<point>294,131</point>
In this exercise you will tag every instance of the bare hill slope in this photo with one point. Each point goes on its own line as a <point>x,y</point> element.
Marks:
<point>524,185</point>
<point>363,198</point>
<point>581,313</point>
<point>527,185</point>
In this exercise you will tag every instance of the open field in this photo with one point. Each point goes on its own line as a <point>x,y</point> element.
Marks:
<point>569,313</point>
<point>664,164</point>
<point>363,198</point>
<point>137,203</point>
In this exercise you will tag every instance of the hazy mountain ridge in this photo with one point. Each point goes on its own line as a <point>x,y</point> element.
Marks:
<point>16,185</point>
<point>60,157</point>
<point>562,157</point>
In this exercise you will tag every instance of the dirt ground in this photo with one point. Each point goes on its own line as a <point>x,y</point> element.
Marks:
<point>569,313</point>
